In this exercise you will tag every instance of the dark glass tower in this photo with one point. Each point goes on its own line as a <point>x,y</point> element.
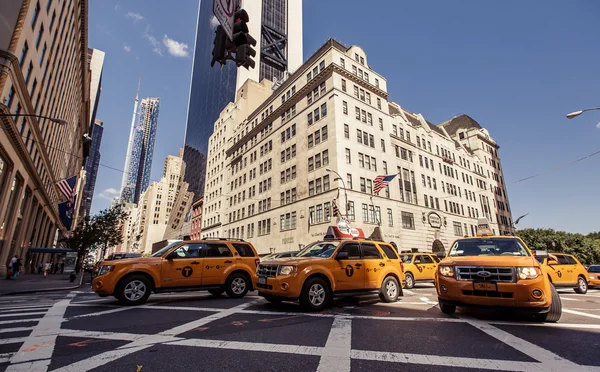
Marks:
<point>92,164</point>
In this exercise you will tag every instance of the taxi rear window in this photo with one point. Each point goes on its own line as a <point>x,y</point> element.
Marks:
<point>389,251</point>
<point>243,249</point>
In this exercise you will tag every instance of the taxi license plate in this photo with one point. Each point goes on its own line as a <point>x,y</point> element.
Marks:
<point>484,286</point>
<point>262,280</point>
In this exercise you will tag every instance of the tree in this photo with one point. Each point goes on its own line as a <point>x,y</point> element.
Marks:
<point>585,247</point>
<point>109,227</point>
<point>83,239</point>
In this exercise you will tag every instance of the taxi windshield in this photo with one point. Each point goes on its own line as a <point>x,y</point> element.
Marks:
<point>407,258</point>
<point>488,247</point>
<point>319,249</point>
<point>162,251</point>
<point>594,269</point>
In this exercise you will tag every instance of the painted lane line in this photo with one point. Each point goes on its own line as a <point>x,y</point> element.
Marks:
<point>37,313</point>
<point>74,304</point>
<point>350,316</point>
<point>39,345</point>
<point>5,357</point>
<point>19,321</point>
<point>189,308</point>
<point>550,361</point>
<point>427,301</point>
<point>28,308</point>
<point>100,313</point>
<point>412,293</point>
<point>568,299</point>
<point>548,325</point>
<point>15,329</point>
<point>487,364</point>
<point>15,340</point>
<point>336,354</point>
<point>100,359</point>
<point>250,346</point>
<point>569,311</point>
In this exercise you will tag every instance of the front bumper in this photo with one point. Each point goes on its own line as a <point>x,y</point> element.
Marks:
<point>510,295</point>
<point>283,286</point>
<point>103,285</point>
<point>593,282</point>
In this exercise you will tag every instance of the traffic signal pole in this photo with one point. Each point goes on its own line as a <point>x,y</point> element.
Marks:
<point>241,45</point>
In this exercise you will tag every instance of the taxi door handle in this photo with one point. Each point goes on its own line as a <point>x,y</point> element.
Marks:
<point>358,265</point>
<point>195,263</point>
<point>381,264</point>
<point>228,261</point>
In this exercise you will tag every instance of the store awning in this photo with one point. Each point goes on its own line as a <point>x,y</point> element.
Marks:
<point>50,250</point>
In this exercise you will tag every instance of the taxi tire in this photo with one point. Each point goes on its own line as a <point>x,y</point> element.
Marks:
<point>412,281</point>
<point>120,292</point>
<point>304,296</point>
<point>582,285</point>
<point>383,294</point>
<point>230,281</point>
<point>446,308</point>
<point>273,300</point>
<point>216,292</point>
<point>555,311</point>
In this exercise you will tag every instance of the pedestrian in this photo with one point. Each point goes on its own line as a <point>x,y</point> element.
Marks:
<point>47,268</point>
<point>62,267</point>
<point>40,268</point>
<point>16,268</point>
<point>10,267</point>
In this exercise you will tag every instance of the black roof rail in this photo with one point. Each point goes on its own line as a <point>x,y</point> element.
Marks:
<point>215,238</point>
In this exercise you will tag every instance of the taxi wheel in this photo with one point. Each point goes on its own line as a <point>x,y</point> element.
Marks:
<point>237,285</point>
<point>273,300</point>
<point>216,292</point>
<point>315,294</point>
<point>555,311</point>
<point>133,290</point>
<point>390,290</point>
<point>410,281</point>
<point>582,286</point>
<point>447,309</point>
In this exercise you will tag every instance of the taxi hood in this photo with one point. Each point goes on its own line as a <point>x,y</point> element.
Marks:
<point>490,261</point>
<point>294,261</point>
<point>133,261</point>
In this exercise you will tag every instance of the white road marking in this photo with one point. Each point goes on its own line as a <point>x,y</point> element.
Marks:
<point>19,320</point>
<point>100,359</point>
<point>39,345</point>
<point>5,357</point>
<point>12,340</point>
<point>547,325</point>
<point>250,346</point>
<point>23,314</point>
<point>412,293</point>
<point>336,354</point>
<point>20,308</point>
<point>350,316</point>
<point>155,307</point>
<point>568,299</point>
<point>568,311</point>
<point>101,313</point>
<point>549,360</point>
<point>15,329</point>
<point>427,301</point>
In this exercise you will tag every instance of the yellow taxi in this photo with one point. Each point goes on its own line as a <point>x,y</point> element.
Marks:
<point>216,265</point>
<point>594,275</point>
<point>339,266</point>
<point>496,272</point>
<point>565,270</point>
<point>419,268</point>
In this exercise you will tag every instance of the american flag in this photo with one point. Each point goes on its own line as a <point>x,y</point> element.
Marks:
<point>67,189</point>
<point>381,182</point>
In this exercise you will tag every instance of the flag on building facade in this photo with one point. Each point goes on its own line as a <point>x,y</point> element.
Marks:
<point>67,189</point>
<point>381,182</point>
<point>65,212</point>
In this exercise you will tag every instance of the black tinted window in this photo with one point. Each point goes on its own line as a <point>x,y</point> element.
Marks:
<point>370,251</point>
<point>216,250</point>
<point>418,259</point>
<point>389,251</point>
<point>562,260</point>
<point>570,260</point>
<point>244,250</point>
<point>436,259</point>
<point>426,259</point>
<point>594,269</point>
<point>188,251</point>
<point>352,249</point>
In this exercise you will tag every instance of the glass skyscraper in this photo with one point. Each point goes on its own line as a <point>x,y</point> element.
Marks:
<point>277,25</point>
<point>92,164</point>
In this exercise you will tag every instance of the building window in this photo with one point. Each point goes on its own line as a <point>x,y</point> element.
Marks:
<point>39,36</point>
<point>365,212</point>
<point>343,63</point>
<point>345,107</point>
<point>348,157</point>
<point>349,180</point>
<point>28,74</point>
<point>457,229</point>
<point>343,85</point>
<point>36,13</point>
<point>383,145</point>
<point>11,96</point>
<point>390,217</point>
<point>408,220</point>
<point>346,131</point>
<point>24,52</point>
<point>350,214</point>
<point>363,185</point>
<point>42,58</point>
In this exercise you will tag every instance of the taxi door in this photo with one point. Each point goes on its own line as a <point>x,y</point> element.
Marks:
<point>374,264</point>
<point>429,266</point>
<point>421,269</point>
<point>217,258</point>
<point>349,273</point>
<point>182,267</point>
<point>572,269</point>
<point>558,270</point>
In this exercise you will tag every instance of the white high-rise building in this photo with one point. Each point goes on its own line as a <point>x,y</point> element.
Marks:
<point>278,162</point>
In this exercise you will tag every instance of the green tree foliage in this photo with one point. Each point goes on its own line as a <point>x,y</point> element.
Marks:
<point>585,247</point>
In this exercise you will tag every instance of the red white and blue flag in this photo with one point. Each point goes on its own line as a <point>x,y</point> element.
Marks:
<point>381,182</point>
<point>67,189</point>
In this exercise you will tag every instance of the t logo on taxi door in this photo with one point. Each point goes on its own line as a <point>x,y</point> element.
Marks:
<point>187,271</point>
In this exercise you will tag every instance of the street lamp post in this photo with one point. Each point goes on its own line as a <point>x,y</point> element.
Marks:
<point>343,184</point>
<point>577,113</point>
<point>55,120</point>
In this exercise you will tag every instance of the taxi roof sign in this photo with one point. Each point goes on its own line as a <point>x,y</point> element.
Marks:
<point>334,232</point>
<point>483,227</point>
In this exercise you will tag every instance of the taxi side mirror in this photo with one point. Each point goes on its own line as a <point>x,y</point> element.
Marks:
<point>171,256</point>
<point>342,256</point>
<point>552,262</point>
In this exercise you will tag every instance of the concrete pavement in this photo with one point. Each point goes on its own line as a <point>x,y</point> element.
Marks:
<point>30,283</point>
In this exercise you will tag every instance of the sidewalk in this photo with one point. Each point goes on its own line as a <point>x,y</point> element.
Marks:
<point>30,283</point>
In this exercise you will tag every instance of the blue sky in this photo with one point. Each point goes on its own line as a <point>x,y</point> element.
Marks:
<point>516,67</point>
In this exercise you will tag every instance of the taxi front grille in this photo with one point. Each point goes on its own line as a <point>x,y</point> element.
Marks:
<point>270,271</point>
<point>484,273</point>
<point>488,294</point>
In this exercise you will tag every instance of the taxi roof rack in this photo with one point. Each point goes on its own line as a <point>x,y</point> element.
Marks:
<point>215,238</point>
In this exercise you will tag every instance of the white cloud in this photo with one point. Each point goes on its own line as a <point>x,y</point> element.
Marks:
<point>598,125</point>
<point>127,48</point>
<point>153,41</point>
<point>134,16</point>
<point>176,48</point>
<point>214,22</point>
<point>117,7</point>
<point>109,194</point>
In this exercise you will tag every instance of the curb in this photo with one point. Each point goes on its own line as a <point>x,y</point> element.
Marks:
<point>40,290</point>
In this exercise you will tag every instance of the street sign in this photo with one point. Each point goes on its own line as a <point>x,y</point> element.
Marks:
<point>223,11</point>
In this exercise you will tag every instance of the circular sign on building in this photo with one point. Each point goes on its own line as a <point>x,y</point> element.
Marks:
<point>435,220</point>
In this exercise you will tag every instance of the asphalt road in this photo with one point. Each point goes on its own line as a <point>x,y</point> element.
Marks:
<point>78,331</point>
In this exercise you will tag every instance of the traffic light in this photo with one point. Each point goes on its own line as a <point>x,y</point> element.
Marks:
<point>243,40</point>
<point>335,210</point>
<point>219,52</point>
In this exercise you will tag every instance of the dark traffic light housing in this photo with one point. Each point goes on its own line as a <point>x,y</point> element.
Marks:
<point>242,43</point>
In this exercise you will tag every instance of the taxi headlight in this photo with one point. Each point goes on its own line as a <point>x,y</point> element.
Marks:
<point>106,269</point>
<point>528,272</point>
<point>287,269</point>
<point>446,270</point>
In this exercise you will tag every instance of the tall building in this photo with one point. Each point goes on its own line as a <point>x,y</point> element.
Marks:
<point>148,221</point>
<point>277,27</point>
<point>92,164</point>
<point>140,149</point>
<point>45,72</point>
<point>278,163</point>
<point>96,63</point>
